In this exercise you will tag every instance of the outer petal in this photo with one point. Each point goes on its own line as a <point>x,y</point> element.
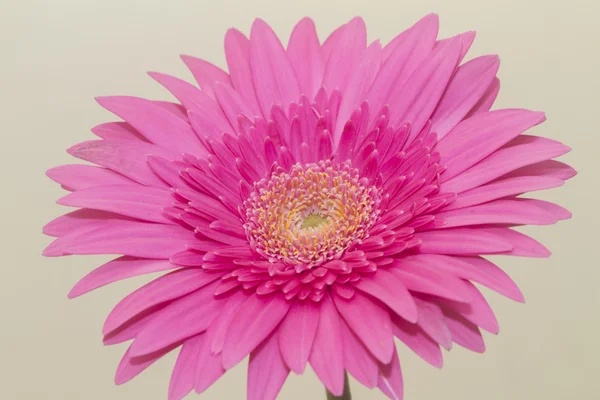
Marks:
<point>135,201</point>
<point>327,355</point>
<point>77,177</point>
<point>130,367</point>
<point>390,379</point>
<point>474,139</point>
<point>116,270</point>
<point>167,287</point>
<point>156,124</point>
<point>461,241</point>
<point>237,52</point>
<point>359,361</point>
<point>370,321</point>
<point>180,320</point>
<point>297,334</point>
<point>267,371</point>
<point>418,341</point>
<point>254,321</point>
<point>304,53</point>
<point>465,89</point>
<point>206,74</point>
<point>274,79</point>
<point>391,291</point>
<point>182,378</point>
<point>417,98</point>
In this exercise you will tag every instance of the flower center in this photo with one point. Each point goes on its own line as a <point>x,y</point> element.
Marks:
<point>311,214</point>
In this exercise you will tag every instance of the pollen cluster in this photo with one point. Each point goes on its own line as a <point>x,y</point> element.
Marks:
<point>310,214</point>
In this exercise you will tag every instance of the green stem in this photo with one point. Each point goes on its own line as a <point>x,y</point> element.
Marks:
<point>346,395</point>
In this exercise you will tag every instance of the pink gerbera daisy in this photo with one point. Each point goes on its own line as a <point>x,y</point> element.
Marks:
<point>310,204</point>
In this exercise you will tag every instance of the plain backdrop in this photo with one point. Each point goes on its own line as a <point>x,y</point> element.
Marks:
<point>57,55</point>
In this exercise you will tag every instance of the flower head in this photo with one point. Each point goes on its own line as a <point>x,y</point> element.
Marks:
<point>309,205</point>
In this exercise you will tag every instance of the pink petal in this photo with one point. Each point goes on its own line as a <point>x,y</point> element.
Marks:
<point>345,54</point>
<point>358,84</point>
<point>125,157</point>
<point>498,212</point>
<point>118,131</point>
<point>545,169</point>
<point>209,120</point>
<point>467,41</point>
<point>182,378</point>
<point>135,201</point>
<point>503,188</point>
<point>327,354</point>
<point>431,320</point>
<point>185,317</point>
<point>304,53</point>
<point>477,311</point>
<point>465,89</point>
<point>391,291</point>
<point>418,341</point>
<point>476,269</point>
<point>232,103</point>
<point>156,124</point>
<point>474,139</point>
<point>116,270</point>
<point>390,378</point>
<point>421,278</point>
<point>77,177</point>
<point>218,330</point>
<point>130,238</point>
<point>267,371</point>
<point>487,100</point>
<point>130,367</point>
<point>206,74</point>
<point>274,79</point>
<point>464,333</point>
<point>424,28</point>
<point>522,245</point>
<point>357,359</point>
<point>80,221</point>
<point>505,160</point>
<point>167,287</point>
<point>237,52</point>
<point>370,320</point>
<point>461,241</point>
<point>208,366</point>
<point>255,320</point>
<point>417,98</point>
<point>297,334</point>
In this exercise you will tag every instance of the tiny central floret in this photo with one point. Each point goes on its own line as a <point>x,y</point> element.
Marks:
<point>311,214</point>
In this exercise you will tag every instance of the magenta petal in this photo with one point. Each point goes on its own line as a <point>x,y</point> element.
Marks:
<point>116,270</point>
<point>418,341</point>
<point>131,238</point>
<point>297,333</point>
<point>130,367</point>
<point>182,378</point>
<point>465,89</point>
<point>464,333</point>
<point>156,124</point>
<point>390,378</point>
<point>487,100</point>
<point>476,311</point>
<point>135,201</point>
<point>476,269</point>
<point>206,74</point>
<point>304,53</point>
<point>167,287</point>
<point>522,245</point>
<point>118,131</point>
<point>125,157</point>
<point>274,79</point>
<point>474,139</point>
<point>358,361</point>
<point>431,320</point>
<point>462,241</point>
<point>255,320</point>
<point>391,291</point>
<point>267,371</point>
<point>185,317</point>
<point>370,320</point>
<point>77,177</point>
<point>327,354</point>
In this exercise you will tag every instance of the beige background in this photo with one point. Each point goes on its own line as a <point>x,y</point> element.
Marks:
<point>57,55</point>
